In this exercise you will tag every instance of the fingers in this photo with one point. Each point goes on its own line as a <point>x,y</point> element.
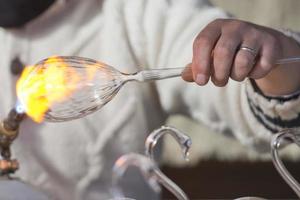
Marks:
<point>224,53</point>
<point>244,60</point>
<point>267,58</point>
<point>202,51</point>
<point>232,49</point>
<point>187,73</point>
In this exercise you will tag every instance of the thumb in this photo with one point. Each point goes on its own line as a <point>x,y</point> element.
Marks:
<point>187,73</point>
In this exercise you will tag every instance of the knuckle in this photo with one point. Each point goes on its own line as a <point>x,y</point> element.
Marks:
<point>266,65</point>
<point>235,29</point>
<point>271,41</point>
<point>253,34</point>
<point>239,25</point>
<point>201,40</point>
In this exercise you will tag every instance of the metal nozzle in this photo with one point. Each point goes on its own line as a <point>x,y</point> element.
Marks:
<point>13,120</point>
<point>9,129</point>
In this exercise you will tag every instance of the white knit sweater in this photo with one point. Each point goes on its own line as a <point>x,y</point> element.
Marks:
<point>73,160</point>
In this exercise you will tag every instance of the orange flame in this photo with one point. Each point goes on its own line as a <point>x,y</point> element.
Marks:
<point>41,87</point>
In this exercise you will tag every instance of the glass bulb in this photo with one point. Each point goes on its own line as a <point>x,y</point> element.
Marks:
<point>64,88</point>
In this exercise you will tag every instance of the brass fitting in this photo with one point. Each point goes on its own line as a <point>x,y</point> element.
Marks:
<point>6,138</point>
<point>9,129</point>
<point>8,166</point>
<point>6,135</point>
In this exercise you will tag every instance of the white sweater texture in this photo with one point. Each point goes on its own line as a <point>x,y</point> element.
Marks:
<point>73,160</point>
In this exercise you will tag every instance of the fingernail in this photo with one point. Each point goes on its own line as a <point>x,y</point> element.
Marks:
<point>201,79</point>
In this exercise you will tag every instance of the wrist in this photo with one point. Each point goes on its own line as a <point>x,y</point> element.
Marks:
<point>283,79</point>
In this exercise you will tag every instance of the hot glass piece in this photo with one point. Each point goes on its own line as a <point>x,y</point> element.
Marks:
<point>68,87</point>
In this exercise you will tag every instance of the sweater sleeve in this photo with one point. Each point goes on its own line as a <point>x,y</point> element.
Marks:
<point>239,109</point>
<point>275,112</point>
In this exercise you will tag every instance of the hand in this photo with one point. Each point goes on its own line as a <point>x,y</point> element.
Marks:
<point>229,48</point>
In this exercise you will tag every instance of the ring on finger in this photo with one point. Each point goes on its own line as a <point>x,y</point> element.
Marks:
<point>250,50</point>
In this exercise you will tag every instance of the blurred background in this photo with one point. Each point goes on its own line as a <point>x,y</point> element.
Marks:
<point>221,167</point>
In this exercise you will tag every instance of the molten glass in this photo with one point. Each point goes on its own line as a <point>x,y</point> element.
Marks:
<point>64,88</point>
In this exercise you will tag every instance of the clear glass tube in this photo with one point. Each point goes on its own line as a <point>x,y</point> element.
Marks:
<point>250,198</point>
<point>283,137</point>
<point>148,166</point>
<point>144,164</point>
<point>153,74</point>
<point>185,143</point>
<point>288,60</point>
<point>69,87</point>
<point>182,139</point>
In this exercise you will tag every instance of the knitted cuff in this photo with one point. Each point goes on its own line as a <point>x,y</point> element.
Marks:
<point>273,112</point>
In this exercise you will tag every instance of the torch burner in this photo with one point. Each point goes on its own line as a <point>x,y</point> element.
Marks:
<point>9,129</point>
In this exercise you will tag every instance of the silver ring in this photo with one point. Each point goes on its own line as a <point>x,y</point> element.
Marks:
<point>250,50</point>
